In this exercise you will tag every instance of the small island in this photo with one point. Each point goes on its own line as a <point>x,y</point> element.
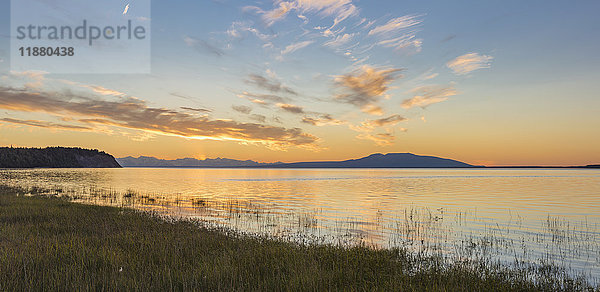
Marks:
<point>55,157</point>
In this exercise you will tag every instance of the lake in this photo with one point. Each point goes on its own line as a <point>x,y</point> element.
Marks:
<point>537,216</point>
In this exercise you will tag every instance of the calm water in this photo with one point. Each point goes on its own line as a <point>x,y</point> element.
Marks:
<point>535,215</point>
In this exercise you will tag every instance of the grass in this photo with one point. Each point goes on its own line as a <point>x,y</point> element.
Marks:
<point>53,244</point>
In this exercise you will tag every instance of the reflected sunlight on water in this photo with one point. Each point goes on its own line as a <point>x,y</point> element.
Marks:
<point>537,215</point>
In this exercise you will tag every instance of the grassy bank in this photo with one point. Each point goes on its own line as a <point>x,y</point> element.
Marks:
<point>52,244</point>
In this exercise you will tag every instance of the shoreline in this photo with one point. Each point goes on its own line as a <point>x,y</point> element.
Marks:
<point>56,244</point>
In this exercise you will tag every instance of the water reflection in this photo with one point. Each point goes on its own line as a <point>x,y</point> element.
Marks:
<point>529,214</point>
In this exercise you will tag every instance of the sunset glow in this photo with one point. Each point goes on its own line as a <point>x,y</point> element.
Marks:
<point>487,83</point>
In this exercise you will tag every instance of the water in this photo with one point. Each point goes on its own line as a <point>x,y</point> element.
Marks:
<point>530,215</point>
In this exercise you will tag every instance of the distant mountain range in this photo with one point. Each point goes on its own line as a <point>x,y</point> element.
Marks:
<point>62,157</point>
<point>391,160</point>
<point>146,161</point>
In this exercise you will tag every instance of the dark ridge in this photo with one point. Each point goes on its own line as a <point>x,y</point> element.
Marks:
<point>55,157</point>
<point>390,160</point>
<point>146,161</point>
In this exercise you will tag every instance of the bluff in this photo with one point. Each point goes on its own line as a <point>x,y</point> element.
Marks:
<point>55,157</point>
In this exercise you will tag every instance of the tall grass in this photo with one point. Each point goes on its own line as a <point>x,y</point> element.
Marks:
<point>47,243</point>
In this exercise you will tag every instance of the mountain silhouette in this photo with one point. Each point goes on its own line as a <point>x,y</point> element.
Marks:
<point>391,160</point>
<point>146,161</point>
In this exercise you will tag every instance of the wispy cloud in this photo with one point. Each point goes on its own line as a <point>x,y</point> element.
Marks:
<point>239,29</point>
<point>389,121</point>
<point>258,118</point>
<point>262,99</point>
<point>269,84</point>
<point>403,42</point>
<point>340,40</point>
<point>381,139</point>
<point>397,24</point>
<point>45,124</point>
<point>242,109</point>
<point>338,9</point>
<point>296,46</point>
<point>203,46</point>
<point>427,95</point>
<point>322,120</point>
<point>105,91</point>
<point>365,87</point>
<point>195,109</point>
<point>295,109</point>
<point>371,125</point>
<point>470,62</point>
<point>399,33</point>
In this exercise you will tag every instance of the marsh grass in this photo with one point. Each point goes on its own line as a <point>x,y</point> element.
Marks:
<point>50,243</point>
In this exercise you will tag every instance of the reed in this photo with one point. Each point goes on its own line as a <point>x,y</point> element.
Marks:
<point>50,243</point>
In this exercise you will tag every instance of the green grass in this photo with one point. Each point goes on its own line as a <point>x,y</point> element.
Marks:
<point>52,244</point>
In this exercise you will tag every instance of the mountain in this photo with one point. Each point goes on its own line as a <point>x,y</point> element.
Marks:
<point>145,161</point>
<point>390,160</point>
<point>55,157</point>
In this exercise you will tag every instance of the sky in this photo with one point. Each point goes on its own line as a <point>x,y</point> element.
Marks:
<point>484,82</point>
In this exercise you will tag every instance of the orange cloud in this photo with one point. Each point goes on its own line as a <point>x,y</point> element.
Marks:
<point>365,87</point>
<point>132,113</point>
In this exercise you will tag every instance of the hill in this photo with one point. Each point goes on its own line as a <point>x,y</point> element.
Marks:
<point>55,157</point>
<point>390,160</point>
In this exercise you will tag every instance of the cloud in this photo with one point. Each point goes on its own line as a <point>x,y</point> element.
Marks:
<point>242,109</point>
<point>399,33</point>
<point>272,84</point>
<point>427,95</point>
<point>339,41</point>
<point>277,13</point>
<point>365,87</point>
<point>338,9</point>
<point>104,91</point>
<point>262,99</point>
<point>291,108</point>
<point>238,29</point>
<point>44,124</point>
<point>373,110</point>
<point>203,46</point>
<point>389,121</point>
<point>200,110</point>
<point>258,118</point>
<point>322,120</point>
<point>397,24</point>
<point>403,42</point>
<point>381,139</point>
<point>430,76</point>
<point>470,62</point>
<point>132,113</point>
<point>296,46</point>
<point>372,125</point>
